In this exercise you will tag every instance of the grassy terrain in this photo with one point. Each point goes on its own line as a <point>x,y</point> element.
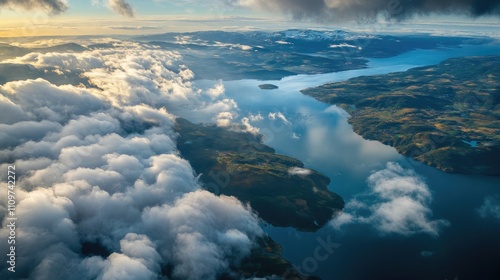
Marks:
<point>447,115</point>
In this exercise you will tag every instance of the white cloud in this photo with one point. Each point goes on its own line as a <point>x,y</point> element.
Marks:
<point>41,100</point>
<point>299,171</point>
<point>343,45</point>
<point>334,109</point>
<point>399,204</point>
<point>216,90</point>
<point>283,42</point>
<point>224,119</point>
<point>231,46</point>
<point>255,118</point>
<point>280,116</point>
<point>247,127</point>
<point>196,223</point>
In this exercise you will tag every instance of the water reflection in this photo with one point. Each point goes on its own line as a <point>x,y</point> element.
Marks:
<point>319,135</point>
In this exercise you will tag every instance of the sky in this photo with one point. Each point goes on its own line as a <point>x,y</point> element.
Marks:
<point>28,18</point>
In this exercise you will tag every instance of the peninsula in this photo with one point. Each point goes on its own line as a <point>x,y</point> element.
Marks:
<point>446,115</point>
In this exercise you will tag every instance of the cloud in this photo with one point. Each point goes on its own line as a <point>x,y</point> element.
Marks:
<point>121,7</point>
<point>248,127</point>
<point>138,260</point>
<point>255,118</point>
<point>51,6</point>
<point>99,165</point>
<point>490,208</point>
<point>335,10</point>
<point>299,171</point>
<point>278,115</point>
<point>343,45</point>
<point>336,110</point>
<point>190,230</point>
<point>217,90</point>
<point>398,204</point>
<point>41,100</point>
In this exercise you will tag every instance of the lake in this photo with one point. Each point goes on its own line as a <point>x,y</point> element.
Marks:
<point>467,245</point>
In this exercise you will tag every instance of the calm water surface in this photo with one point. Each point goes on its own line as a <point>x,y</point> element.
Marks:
<point>319,135</point>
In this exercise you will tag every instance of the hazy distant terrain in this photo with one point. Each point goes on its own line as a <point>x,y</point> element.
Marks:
<point>273,55</point>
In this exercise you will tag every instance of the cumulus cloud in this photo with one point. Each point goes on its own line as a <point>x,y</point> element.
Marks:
<point>248,127</point>
<point>278,116</point>
<point>224,119</point>
<point>217,90</point>
<point>51,6</point>
<point>255,118</point>
<point>41,100</point>
<point>196,223</point>
<point>330,10</point>
<point>99,165</point>
<point>398,204</point>
<point>299,171</point>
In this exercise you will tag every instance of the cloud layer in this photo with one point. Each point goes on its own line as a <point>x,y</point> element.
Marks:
<point>398,204</point>
<point>99,165</point>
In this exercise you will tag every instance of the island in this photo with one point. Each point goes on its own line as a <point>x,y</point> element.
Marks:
<point>446,115</point>
<point>268,86</point>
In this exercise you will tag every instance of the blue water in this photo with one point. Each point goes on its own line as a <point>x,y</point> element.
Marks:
<point>319,135</point>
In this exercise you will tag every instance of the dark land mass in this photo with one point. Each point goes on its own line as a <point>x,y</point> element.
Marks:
<point>234,63</point>
<point>238,164</point>
<point>274,55</point>
<point>447,115</point>
<point>268,86</point>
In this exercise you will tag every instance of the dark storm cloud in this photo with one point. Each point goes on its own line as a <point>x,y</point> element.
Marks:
<point>121,7</point>
<point>53,6</point>
<point>362,9</point>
